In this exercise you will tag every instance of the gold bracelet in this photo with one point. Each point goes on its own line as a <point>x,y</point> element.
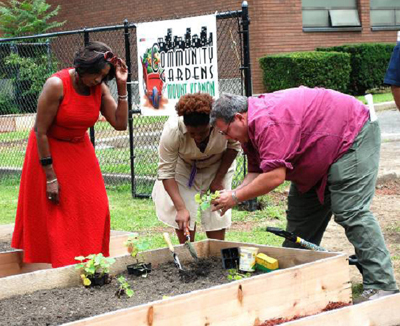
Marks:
<point>51,181</point>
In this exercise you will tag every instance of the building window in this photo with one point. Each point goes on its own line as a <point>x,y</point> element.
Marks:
<point>328,15</point>
<point>385,14</point>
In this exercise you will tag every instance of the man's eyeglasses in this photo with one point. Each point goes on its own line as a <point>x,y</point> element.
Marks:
<point>225,133</point>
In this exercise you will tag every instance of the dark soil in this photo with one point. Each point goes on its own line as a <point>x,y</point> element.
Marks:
<point>58,306</point>
<point>5,246</point>
<point>278,321</point>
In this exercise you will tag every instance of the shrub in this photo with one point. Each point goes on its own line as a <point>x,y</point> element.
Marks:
<point>312,69</point>
<point>7,105</point>
<point>27,17</point>
<point>369,62</point>
<point>29,73</point>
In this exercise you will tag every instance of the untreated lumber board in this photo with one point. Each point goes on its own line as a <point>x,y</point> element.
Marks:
<point>11,262</point>
<point>6,231</point>
<point>302,289</point>
<point>380,312</point>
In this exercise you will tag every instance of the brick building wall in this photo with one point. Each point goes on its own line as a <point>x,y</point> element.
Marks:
<point>276,25</point>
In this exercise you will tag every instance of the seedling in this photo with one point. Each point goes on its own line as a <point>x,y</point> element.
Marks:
<point>124,288</point>
<point>93,266</point>
<point>204,201</point>
<point>135,246</point>
<point>234,275</point>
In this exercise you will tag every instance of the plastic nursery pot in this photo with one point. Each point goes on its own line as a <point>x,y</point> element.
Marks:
<point>230,258</point>
<point>139,269</point>
<point>98,279</point>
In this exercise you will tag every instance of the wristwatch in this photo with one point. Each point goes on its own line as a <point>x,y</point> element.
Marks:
<point>46,161</point>
<point>236,200</point>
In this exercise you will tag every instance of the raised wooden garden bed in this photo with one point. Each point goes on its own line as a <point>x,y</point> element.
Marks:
<point>379,312</point>
<point>11,262</point>
<point>305,284</point>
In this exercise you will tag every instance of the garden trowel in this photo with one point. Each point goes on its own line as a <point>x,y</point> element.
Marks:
<point>190,246</point>
<point>171,247</point>
<point>353,260</point>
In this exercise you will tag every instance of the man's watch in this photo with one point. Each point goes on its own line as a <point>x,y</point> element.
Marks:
<point>235,199</point>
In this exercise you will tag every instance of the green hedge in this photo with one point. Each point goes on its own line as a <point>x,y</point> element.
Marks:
<point>369,62</point>
<point>312,69</point>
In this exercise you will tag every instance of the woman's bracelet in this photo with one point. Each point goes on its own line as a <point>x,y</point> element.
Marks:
<point>123,97</point>
<point>51,181</point>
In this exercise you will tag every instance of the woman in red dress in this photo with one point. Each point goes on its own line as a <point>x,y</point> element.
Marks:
<point>63,206</point>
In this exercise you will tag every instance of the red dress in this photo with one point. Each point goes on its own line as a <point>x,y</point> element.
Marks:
<point>80,224</point>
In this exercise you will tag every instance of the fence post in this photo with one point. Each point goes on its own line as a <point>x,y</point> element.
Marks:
<point>246,50</point>
<point>248,85</point>
<point>130,114</point>
<point>86,42</point>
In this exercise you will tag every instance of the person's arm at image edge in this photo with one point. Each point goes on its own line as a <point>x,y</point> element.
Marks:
<point>396,95</point>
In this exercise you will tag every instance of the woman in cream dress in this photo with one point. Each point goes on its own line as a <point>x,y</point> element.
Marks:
<point>194,157</point>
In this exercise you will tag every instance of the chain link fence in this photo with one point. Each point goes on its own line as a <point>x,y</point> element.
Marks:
<point>126,157</point>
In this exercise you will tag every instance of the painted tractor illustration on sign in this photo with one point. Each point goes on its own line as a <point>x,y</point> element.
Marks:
<point>153,76</point>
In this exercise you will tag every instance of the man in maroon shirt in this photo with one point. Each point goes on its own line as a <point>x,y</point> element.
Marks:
<point>324,143</point>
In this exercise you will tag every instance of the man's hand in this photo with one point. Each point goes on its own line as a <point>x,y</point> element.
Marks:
<point>224,202</point>
<point>182,219</point>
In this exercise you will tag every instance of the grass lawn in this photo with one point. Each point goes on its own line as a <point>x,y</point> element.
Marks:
<point>378,98</point>
<point>138,215</point>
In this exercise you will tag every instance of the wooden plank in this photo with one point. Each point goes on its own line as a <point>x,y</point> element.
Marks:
<point>379,312</point>
<point>6,232</point>
<point>11,262</point>
<point>68,276</point>
<point>117,239</point>
<point>303,289</point>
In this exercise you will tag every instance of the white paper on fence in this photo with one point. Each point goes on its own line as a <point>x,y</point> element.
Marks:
<point>370,102</point>
<point>176,57</point>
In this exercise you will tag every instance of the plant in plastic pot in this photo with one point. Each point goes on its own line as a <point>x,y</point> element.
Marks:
<point>135,246</point>
<point>95,269</point>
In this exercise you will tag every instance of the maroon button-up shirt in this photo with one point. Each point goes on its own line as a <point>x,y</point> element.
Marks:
<point>303,129</point>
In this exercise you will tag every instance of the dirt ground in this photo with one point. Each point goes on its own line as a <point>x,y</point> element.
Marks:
<point>386,207</point>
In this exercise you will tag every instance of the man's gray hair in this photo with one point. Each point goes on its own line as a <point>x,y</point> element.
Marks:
<point>227,106</point>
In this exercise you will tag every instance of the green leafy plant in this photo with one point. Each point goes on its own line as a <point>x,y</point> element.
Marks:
<point>124,288</point>
<point>368,62</point>
<point>235,275</point>
<point>93,265</point>
<point>135,246</point>
<point>33,69</point>
<point>204,201</point>
<point>27,17</point>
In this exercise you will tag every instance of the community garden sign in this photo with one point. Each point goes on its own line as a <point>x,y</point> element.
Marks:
<point>176,57</point>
